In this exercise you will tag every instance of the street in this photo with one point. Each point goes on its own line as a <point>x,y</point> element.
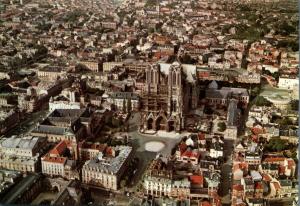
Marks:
<point>28,123</point>
<point>226,173</point>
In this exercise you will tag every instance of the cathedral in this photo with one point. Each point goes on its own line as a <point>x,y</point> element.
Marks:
<point>165,98</point>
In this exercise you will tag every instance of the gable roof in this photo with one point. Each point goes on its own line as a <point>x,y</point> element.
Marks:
<point>196,179</point>
<point>59,148</point>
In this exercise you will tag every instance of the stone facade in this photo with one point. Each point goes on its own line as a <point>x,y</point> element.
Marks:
<point>105,171</point>
<point>163,99</point>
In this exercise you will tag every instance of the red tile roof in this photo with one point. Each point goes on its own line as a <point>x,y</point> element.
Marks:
<point>291,163</point>
<point>196,179</point>
<point>276,185</point>
<point>267,177</point>
<point>205,203</point>
<point>238,187</point>
<point>182,147</point>
<point>259,186</point>
<point>109,151</point>
<point>190,154</point>
<point>281,169</point>
<point>257,131</point>
<point>201,136</point>
<point>59,148</point>
<point>274,159</point>
<point>59,160</point>
<point>243,165</point>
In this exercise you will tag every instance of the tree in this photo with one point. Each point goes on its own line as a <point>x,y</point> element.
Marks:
<point>116,122</point>
<point>187,59</point>
<point>150,3</point>
<point>284,122</point>
<point>123,183</point>
<point>294,105</point>
<point>261,101</point>
<point>108,120</point>
<point>285,29</point>
<point>276,145</point>
<point>255,91</point>
<point>208,110</point>
<point>222,126</point>
<point>244,8</point>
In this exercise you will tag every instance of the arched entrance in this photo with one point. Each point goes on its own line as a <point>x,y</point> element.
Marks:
<point>161,123</point>
<point>171,126</point>
<point>150,124</point>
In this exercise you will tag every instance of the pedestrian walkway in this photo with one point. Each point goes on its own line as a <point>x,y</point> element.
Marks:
<point>164,134</point>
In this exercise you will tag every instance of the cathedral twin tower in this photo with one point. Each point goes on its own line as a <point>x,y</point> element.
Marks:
<point>162,99</point>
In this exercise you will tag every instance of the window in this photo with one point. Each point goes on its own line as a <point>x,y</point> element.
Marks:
<point>173,105</point>
<point>152,76</point>
<point>174,78</point>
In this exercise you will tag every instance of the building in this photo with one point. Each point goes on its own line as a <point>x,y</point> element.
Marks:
<point>216,148</point>
<point>91,65</point>
<point>89,150</point>
<point>8,178</point>
<point>233,119</point>
<point>124,100</point>
<point>159,187</point>
<point>159,181</point>
<point>8,99</point>
<point>221,97</point>
<point>51,73</point>
<point>162,99</point>
<point>107,168</point>
<point>108,66</point>
<point>187,153</point>
<point>71,194</point>
<point>22,154</point>
<point>65,124</point>
<point>59,162</point>
<point>25,191</point>
<point>288,83</point>
<point>61,104</point>
<point>9,118</point>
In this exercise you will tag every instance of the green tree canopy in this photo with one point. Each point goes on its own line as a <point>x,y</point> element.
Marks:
<point>276,145</point>
<point>261,101</point>
<point>221,126</point>
<point>294,105</point>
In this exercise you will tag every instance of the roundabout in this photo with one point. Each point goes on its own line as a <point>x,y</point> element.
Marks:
<point>154,146</point>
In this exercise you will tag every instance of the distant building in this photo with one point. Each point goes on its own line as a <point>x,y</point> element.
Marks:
<point>288,83</point>
<point>51,73</point>
<point>91,65</point>
<point>121,99</point>
<point>108,66</point>
<point>233,120</point>
<point>9,118</point>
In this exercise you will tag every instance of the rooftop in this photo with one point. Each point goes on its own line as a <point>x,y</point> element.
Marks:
<point>109,164</point>
<point>28,142</point>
